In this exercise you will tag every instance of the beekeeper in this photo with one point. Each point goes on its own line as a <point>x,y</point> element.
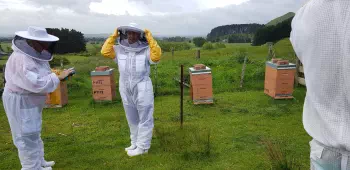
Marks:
<point>28,80</point>
<point>136,51</point>
<point>321,39</point>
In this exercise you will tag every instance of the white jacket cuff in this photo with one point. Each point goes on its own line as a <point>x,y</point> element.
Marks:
<point>56,81</point>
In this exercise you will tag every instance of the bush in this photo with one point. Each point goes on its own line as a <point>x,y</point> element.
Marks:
<point>199,41</point>
<point>208,46</point>
<point>56,61</point>
<point>241,54</point>
<point>220,45</point>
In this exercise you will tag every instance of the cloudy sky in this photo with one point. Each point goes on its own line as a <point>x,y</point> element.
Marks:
<point>162,17</point>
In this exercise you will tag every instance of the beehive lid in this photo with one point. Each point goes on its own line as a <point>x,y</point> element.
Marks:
<point>289,66</point>
<point>102,73</point>
<point>203,71</point>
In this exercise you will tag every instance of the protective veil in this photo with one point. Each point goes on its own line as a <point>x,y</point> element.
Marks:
<point>28,80</point>
<point>321,38</point>
<point>135,85</point>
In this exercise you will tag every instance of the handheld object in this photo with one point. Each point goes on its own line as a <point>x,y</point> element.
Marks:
<point>71,74</point>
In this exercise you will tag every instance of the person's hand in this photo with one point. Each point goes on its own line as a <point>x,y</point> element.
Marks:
<point>65,73</point>
<point>116,33</point>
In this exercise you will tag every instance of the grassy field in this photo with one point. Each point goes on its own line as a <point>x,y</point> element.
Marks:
<point>227,135</point>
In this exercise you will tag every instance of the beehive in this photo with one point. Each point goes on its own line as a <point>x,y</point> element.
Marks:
<point>201,89</point>
<point>103,85</point>
<point>59,97</point>
<point>279,79</point>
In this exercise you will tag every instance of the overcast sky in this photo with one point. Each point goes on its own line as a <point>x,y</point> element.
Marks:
<point>162,17</point>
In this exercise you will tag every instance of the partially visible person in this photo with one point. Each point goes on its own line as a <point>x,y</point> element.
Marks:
<point>321,39</point>
<point>28,80</point>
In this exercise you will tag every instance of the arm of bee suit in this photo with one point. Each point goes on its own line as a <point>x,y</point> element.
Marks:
<point>29,78</point>
<point>155,50</point>
<point>107,48</point>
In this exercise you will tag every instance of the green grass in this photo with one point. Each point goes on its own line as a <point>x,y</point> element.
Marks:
<point>5,46</point>
<point>227,135</point>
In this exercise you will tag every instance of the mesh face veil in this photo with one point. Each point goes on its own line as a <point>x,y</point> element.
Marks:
<point>42,51</point>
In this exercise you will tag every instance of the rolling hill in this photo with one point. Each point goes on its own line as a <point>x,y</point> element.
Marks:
<point>280,19</point>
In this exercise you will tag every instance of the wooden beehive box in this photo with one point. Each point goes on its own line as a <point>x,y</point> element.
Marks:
<point>59,97</point>
<point>103,85</point>
<point>201,88</point>
<point>279,79</point>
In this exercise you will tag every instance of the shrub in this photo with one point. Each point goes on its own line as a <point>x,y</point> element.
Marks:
<point>56,61</point>
<point>208,46</point>
<point>220,45</point>
<point>199,41</point>
<point>241,54</point>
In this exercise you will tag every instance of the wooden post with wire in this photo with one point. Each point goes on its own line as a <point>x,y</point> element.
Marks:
<point>299,75</point>
<point>156,79</point>
<point>271,53</point>
<point>4,81</point>
<point>182,94</point>
<point>198,55</point>
<point>172,52</point>
<point>3,76</point>
<point>243,70</point>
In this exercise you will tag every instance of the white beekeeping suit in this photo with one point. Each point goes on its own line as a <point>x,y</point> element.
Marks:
<point>28,80</point>
<point>321,39</point>
<point>135,85</point>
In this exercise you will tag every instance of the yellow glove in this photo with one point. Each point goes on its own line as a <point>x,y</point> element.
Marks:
<point>107,48</point>
<point>155,50</point>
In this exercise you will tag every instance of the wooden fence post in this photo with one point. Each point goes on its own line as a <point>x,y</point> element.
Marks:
<point>198,56</point>
<point>243,70</point>
<point>182,95</point>
<point>297,71</point>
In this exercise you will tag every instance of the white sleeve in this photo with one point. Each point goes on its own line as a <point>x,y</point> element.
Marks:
<point>296,35</point>
<point>29,79</point>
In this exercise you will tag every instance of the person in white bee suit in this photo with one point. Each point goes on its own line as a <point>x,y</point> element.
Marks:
<point>136,51</point>
<point>321,39</point>
<point>28,80</point>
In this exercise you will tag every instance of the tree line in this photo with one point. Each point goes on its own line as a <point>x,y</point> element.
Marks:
<point>176,39</point>
<point>71,41</point>
<point>221,32</point>
<point>273,33</point>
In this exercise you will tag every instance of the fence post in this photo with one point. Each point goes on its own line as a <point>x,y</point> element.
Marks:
<point>198,56</point>
<point>172,52</point>
<point>243,70</point>
<point>271,54</point>
<point>297,62</point>
<point>156,79</point>
<point>3,76</point>
<point>182,94</point>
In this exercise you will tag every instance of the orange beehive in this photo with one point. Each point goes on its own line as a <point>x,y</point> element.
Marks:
<point>279,79</point>
<point>103,85</point>
<point>59,97</point>
<point>201,89</point>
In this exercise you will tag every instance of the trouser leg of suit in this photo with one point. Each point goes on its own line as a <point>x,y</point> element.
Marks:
<point>133,121</point>
<point>25,124</point>
<point>145,106</point>
<point>146,125</point>
<point>41,147</point>
<point>327,158</point>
